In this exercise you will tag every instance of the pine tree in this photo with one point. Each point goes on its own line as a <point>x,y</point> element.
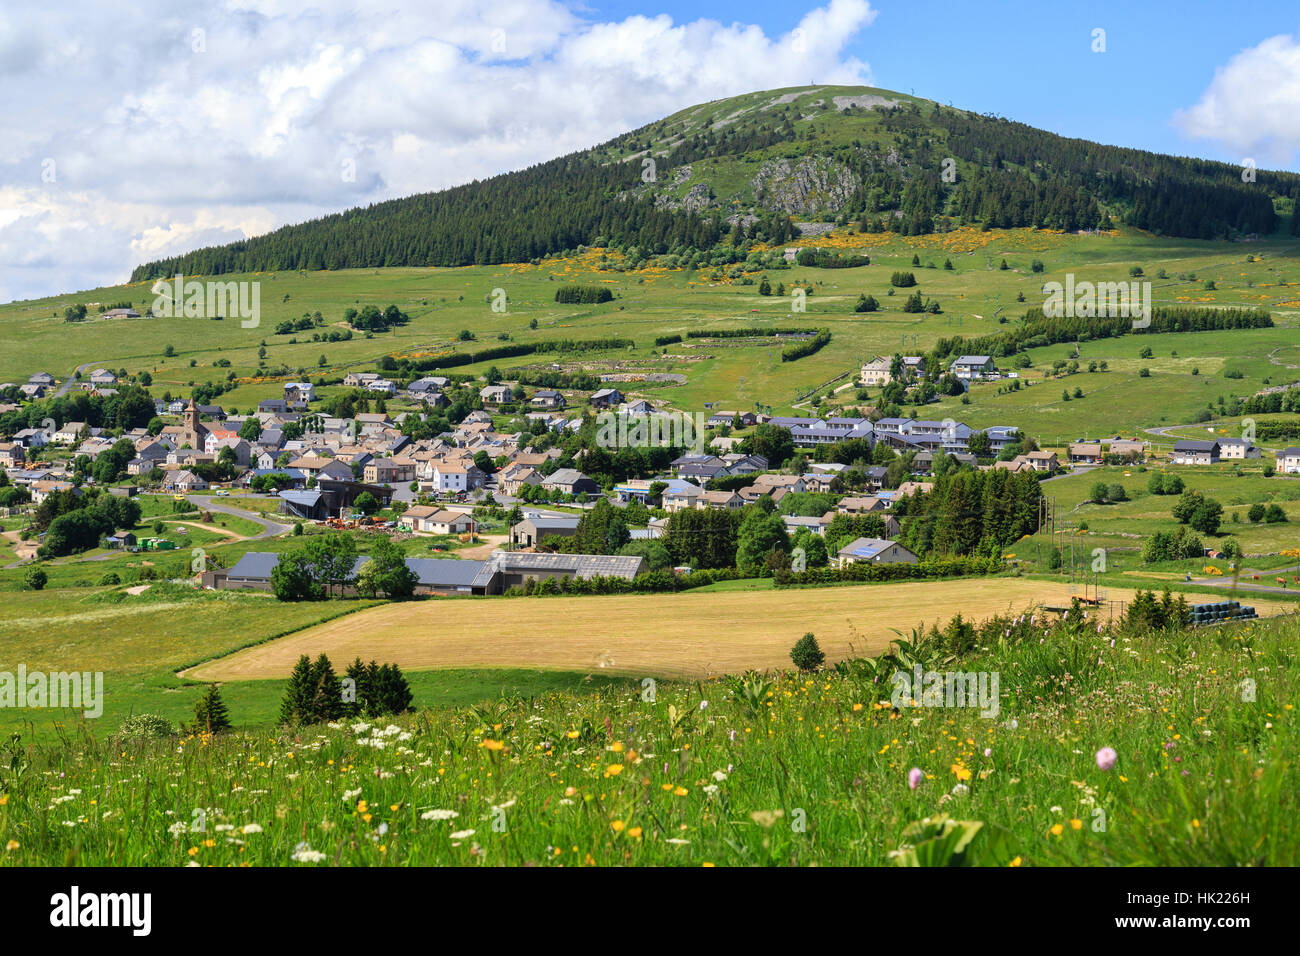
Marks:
<point>210,713</point>
<point>294,706</point>
<point>807,653</point>
<point>394,691</point>
<point>326,693</point>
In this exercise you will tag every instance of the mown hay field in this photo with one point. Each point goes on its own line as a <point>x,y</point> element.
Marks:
<point>692,634</point>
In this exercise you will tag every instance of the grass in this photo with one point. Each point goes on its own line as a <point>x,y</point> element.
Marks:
<point>786,769</point>
<point>138,642</point>
<point>657,301</point>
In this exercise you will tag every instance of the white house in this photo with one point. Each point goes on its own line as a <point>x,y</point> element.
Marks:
<point>448,477</point>
<point>973,367</point>
<point>1288,461</point>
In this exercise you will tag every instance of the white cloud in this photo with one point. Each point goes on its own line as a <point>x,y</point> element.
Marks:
<point>179,123</point>
<point>1252,105</point>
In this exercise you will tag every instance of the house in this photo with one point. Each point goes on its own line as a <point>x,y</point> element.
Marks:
<point>426,388</point>
<point>699,467</point>
<point>727,500</point>
<point>449,477</point>
<point>1043,461</point>
<point>1034,461</point>
<point>423,519</point>
<point>876,551</point>
<point>681,498</point>
<point>1085,453</point>
<point>969,368</point>
<point>381,386</point>
<point>183,482</point>
<point>388,471</point>
<point>571,482</point>
<point>513,478</point>
<point>495,394</point>
<point>860,505</point>
<point>122,539</point>
<point>548,398</point>
<point>738,464</point>
<point>121,314</point>
<point>1238,448</point>
<point>529,532</point>
<point>606,398</point>
<point>32,390</point>
<point>1288,461</point>
<point>1195,452</point>
<point>1127,448</point>
<point>102,376</point>
<point>876,372</point>
<point>69,434</point>
<point>41,490</point>
<point>41,378</point>
<point>12,454</point>
<point>298,393</point>
<point>359,379</point>
<point>32,438</point>
<point>909,488</point>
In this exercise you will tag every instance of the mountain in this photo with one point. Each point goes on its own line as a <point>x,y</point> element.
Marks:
<point>747,167</point>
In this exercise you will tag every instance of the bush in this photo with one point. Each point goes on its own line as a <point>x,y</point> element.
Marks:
<point>36,578</point>
<point>807,653</point>
<point>1255,514</point>
<point>144,727</point>
<point>112,577</point>
<point>1274,515</point>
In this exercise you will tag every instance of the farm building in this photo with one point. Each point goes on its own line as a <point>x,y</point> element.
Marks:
<point>876,550</point>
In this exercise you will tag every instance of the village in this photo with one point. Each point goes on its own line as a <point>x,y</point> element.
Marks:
<point>525,454</point>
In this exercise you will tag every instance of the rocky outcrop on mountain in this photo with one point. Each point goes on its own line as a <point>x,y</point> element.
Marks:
<point>812,185</point>
<point>697,198</point>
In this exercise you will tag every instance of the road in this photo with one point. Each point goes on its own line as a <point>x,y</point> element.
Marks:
<point>270,529</point>
<point>72,379</point>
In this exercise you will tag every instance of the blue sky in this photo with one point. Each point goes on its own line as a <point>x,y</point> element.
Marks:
<point>1032,61</point>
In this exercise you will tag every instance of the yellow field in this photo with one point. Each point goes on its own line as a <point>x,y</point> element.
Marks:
<point>673,635</point>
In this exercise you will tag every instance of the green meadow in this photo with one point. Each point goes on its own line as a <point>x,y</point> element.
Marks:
<point>1100,747</point>
<point>975,296</point>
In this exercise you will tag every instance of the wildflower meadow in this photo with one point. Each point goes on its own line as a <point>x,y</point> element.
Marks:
<point>1112,745</point>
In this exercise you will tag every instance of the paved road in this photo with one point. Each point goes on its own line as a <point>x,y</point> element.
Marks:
<point>1244,583</point>
<point>270,529</point>
<point>72,379</point>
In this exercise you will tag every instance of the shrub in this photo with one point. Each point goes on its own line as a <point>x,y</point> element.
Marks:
<point>144,727</point>
<point>36,578</point>
<point>112,577</point>
<point>1256,513</point>
<point>807,653</point>
<point>1274,515</point>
